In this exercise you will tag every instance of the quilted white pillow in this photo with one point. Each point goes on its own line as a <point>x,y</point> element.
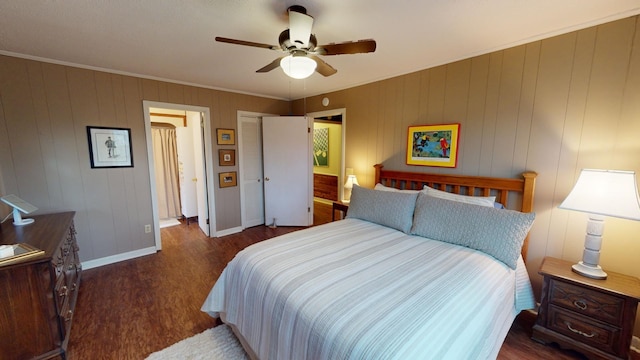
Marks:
<point>476,200</point>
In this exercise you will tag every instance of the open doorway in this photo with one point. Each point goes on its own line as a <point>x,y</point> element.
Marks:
<point>180,165</point>
<point>328,169</point>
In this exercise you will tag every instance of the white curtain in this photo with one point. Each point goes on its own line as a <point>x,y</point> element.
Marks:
<point>165,159</point>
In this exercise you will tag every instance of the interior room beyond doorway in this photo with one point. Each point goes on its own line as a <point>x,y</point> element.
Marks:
<point>179,166</point>
<point>328,159</point>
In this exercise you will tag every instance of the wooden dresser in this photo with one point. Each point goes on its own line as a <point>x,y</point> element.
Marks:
<point>38,294</point>
<point>594,317</point>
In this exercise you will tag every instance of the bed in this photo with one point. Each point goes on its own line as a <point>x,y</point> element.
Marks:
<point>424,266</point>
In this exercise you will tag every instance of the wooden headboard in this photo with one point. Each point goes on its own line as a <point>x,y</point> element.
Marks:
<point>467,185</point>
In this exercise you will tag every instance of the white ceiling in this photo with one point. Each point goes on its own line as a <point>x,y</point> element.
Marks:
<point>173,40</point>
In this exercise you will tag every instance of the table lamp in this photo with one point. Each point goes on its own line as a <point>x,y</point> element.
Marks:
<point>601,193</point>
<point>348,185</point>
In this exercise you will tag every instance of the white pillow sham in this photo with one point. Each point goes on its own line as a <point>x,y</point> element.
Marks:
<point>392,189</point>
<point>475,200</point>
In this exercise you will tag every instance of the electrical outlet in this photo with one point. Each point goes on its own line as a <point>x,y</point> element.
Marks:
<point>147,228</point>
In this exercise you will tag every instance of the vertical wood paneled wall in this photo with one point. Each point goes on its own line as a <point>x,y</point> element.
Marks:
<point>553,106</point>
<point>44,158</point>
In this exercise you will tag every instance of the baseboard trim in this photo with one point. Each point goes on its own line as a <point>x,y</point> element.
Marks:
<point>86,265</point>
<point>230,231</point>
<point>635,345</point>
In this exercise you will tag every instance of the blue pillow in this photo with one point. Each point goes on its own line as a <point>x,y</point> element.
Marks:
<point>388,208</point>
<point>499,233</point>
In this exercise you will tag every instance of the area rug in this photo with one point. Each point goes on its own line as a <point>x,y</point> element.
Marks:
<point>217,343</point>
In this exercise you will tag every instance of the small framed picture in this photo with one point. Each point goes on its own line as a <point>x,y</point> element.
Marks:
<point>226,136</point>
<point>227,157</point>
<point>109,147</point>
<point>227,179</point>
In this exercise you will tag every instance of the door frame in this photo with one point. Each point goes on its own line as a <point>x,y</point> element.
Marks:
<point>208,157</point>
<point>343,112</point>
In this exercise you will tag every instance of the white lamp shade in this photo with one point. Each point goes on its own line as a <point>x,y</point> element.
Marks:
<point>298,67</point>
<point>605,192</point>
<point>351,180</point>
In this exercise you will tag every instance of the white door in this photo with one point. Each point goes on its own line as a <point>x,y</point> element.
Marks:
<point>250,169</point>
<point>187,172</point>
<point>288,170</point>
<point>194,119</point>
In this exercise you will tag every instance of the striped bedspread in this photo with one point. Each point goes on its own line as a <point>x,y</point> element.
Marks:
<point>352,289</point>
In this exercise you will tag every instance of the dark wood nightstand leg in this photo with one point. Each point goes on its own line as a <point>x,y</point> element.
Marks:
<point>338,206</point>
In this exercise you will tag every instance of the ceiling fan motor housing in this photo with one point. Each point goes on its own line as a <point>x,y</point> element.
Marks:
<point>297,8</point>
<point>287,45</point>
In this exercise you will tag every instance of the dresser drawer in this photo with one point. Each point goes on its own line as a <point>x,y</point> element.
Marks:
<point>66,314</point>
<point>67,285</point>
<point>597,305</point>
<point>581,328</point>
<point>58,263</point>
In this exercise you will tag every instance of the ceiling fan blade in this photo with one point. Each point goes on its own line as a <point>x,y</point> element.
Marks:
<point>246,43</point>
<point>274,64</point>
<point>300,25</point>
<point>353,47</point>
<point>323,68</point>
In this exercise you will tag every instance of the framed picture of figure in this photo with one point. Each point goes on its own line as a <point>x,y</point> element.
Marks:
<point>109,147</point>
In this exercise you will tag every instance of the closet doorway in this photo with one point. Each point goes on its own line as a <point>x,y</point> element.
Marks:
<point>180,165</point>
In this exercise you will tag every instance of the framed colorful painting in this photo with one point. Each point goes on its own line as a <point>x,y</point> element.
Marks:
<point>433,145</point>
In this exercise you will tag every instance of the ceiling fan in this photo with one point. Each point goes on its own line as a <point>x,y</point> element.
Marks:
<point>300,47</point>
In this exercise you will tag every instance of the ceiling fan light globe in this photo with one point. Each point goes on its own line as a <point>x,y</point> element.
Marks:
<point>298,67</point>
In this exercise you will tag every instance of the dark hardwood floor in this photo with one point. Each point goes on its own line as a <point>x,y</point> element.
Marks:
<point>130,309</point>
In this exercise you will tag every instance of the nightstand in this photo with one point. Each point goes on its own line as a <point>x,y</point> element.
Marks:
<point>594,317</point>
<point>339,206</point>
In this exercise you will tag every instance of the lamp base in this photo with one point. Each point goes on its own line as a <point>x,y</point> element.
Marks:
<point>594,272</point>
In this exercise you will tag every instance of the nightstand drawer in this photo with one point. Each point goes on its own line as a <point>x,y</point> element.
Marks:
<point>597,305</point>
<point>590,332</point>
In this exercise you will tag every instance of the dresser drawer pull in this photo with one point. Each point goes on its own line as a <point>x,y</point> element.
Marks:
<point>580,304</point>
<point>69,315</point>
<point>578,331</point>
